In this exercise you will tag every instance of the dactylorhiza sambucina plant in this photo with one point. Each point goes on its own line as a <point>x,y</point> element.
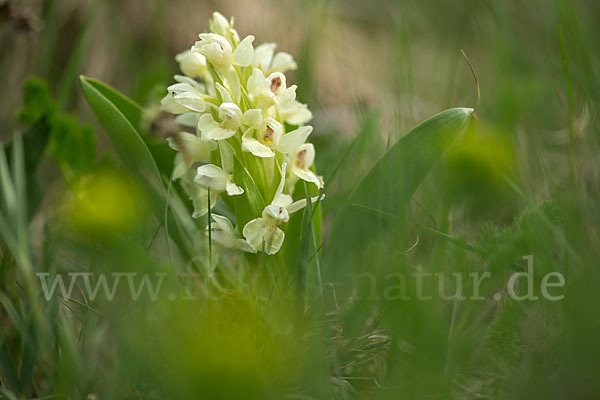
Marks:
<point>242,126</point>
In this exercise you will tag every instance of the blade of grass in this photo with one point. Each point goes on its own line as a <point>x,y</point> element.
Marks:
<point>69,77</point>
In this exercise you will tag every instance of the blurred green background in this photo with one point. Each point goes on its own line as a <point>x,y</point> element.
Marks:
<point>524,179</point>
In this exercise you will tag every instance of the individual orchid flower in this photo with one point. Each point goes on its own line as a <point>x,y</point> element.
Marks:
<point>217,179</point>
<point>218,51</point>
<point>185,96</point>
<point>188,119</point>
<point>270,138</point>
<point>264,233</point>
<point>294,113</point>
<point>190,148</point>
<point>192,64</point>
<point>269,91</point>
<point>224,235</point>
<point>302,159</point>
<point>231,117</point>
<point>197,194</point>
<point>268,133</point>
<point>220,26</point>
<point>263,59</point>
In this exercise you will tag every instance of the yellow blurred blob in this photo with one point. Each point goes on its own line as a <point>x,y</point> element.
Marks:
<point>217,349</point>
<point>478,161</point>
<point>107,203</point>
<point>475,168</point>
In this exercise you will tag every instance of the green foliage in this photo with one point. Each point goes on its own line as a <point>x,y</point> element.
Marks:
<point>501,246</point>
<point>72,146</point>
<point>119,117</point>
<point>251,203</point>
<point>503,336</point>
<point>391,182</point>
<point>37,102</point>
<point>474,169</point>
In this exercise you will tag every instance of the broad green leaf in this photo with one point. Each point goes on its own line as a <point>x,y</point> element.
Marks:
<point>160,151</point>
<point>118,118</point>
<point>131,110</point>
<point>389,186</point>
<point>121,117</point>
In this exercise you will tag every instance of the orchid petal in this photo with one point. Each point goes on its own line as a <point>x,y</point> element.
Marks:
<point>300,204</point>
<point>232,189</point>
<point>281,181</point>
<point>191,101</point>
<point>242,56</point>
<point>257,82</point>
<point>307,175</point>
<point>219,24</point>
<point>225,95</point>
<point>207,123</point>
<point>169,104</point>
<point>277,212</point>
<point>288,96</point>
<point>295,113</point>
<point>222,223</point>
<point>261,236</point>
<point>243,245</point>
<point>255,147</point>
<point>283,62</point>
<point>263,55</point>
<point>254,232</point>
<point>231,115</point>
<point>180,167</point>
<point>189,119</point>
<point>199,197</point>
<point>253,118</point>
<point>291,141</point>
<point>191,64</point>
<point>282,200</point>
<point>211,177</point>
<point>273,240</point>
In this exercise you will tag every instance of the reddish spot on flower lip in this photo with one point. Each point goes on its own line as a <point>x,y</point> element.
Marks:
<point>300,158</point>
<point>268,135</point>
<point>275,84</point>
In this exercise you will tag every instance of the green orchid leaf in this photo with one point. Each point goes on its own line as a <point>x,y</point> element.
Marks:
<point>161,153</point>
<point>293,232</point>
<point>131,110</point>
<point>250,204</point>
<point>119,118</point>
<point>390,184</point>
